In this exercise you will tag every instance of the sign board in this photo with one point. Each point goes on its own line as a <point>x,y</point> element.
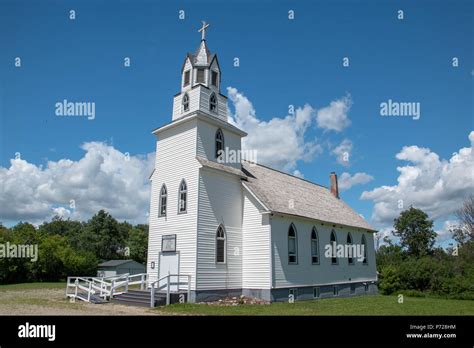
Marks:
<point>168,243</point>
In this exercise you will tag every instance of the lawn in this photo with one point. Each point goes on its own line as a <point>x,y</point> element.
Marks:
<point>28,286</point>
<point>362,305</point>
<point>49,299</point>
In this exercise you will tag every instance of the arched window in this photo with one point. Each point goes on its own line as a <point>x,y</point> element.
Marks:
<point>350,258</point>
<point>183,193</point>
<point>333,247</point>
<point>314,247</point>
<point>213,103</point>
<point>219,143</point>
<point>220,245</point>
<point>364,244</point>
<point>163,200</point>
<point>185,102</point>
<point>292,245</point>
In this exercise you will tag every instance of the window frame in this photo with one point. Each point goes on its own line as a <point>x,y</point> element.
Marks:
<point>350,260</point>
<point>185,103</point>
<point>224,238</point>
<point>334,260</point>
<point>214,110</point>
<point>188,74</point>
<point>363,241</point>
<point>217,78</point>
<point>203,75</point>
<point>314,232</point>
<point>295,237</point>
<point>352,289</point>
<point>160,203</point>
<point>316,292</point>
<point>180,192</point>
<point>221,140</point>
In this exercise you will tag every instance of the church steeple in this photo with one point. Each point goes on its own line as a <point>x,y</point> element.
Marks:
<point>200,83</point>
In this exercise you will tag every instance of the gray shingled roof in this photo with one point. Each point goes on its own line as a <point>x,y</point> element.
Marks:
<point>219,166</point>
<point>113,263</point>
<point>276,190</point>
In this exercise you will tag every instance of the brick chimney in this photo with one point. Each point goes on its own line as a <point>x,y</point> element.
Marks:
<point>333,184</point>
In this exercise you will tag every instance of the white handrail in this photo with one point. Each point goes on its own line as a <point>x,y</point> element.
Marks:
<point>107,287</point>
<point>167,285</point>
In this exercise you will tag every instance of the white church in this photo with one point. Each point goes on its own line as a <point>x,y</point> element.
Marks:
<point>243,228</point>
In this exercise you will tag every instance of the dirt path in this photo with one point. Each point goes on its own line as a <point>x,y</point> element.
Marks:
<point>54,302</point>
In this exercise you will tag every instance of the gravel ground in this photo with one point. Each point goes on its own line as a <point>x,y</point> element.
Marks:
<point>54,302</point>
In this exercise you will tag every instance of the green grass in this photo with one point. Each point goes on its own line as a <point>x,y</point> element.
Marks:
<point>30,286</point>
<point>362,305</point>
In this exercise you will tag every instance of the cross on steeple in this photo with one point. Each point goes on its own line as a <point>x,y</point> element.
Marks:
<point>203,30</point>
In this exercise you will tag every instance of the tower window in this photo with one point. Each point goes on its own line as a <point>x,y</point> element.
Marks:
<point>183,193</point>
<point>187,75</point>
<point>213,102</point>
<point>219,143</point>
<point>220,245</point>
<point>214,78</point>
<point>200,76</point>
<point>185,103</point>
<point>163,201</point>
<point>292,245</point>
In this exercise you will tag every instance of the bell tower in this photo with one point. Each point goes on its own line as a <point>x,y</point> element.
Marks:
<point>200,84</point>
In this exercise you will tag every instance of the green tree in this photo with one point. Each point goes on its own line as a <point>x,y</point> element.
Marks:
<point>415,230</point>
<point>103,237</point>
<point>16,270</point>
<point>389,280</point>
<point>464,232</point>
<point>72,230</point>
<point>138,243</point>
<point>57,260</point>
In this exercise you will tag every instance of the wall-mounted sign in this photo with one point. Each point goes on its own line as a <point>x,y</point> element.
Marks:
<point>168,242</point>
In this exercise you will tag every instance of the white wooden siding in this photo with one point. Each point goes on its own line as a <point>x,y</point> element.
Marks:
<point>305,273</point>
<point>199,100</point>
<point>221,104</point>
<point>256,251</point>
<point>219,202</point>
<point>175,160</point>
<point>193,95</point>
<point>206,142</point>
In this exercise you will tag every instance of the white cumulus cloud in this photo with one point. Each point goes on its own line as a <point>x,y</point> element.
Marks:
<point>343,152</point>
<point>279,142</point>
<point>334,117</point>
<point>346,180</point>
<point>435,185</point>
<point>104,178</point>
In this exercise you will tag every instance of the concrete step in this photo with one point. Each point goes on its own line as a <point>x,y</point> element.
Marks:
<point>131,302</point>
<point>143,298</point>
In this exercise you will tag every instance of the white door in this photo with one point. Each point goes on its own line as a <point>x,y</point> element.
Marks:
<point>169,264</point>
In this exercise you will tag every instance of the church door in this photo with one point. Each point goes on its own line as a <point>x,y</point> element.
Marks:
<point>169,264</point>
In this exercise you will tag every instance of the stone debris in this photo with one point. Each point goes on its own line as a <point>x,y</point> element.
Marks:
<point>236,301</point>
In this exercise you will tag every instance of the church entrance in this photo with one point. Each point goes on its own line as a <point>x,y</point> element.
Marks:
<point>169,264</point>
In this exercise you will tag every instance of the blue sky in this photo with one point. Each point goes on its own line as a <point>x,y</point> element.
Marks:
<point>282,62</point>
